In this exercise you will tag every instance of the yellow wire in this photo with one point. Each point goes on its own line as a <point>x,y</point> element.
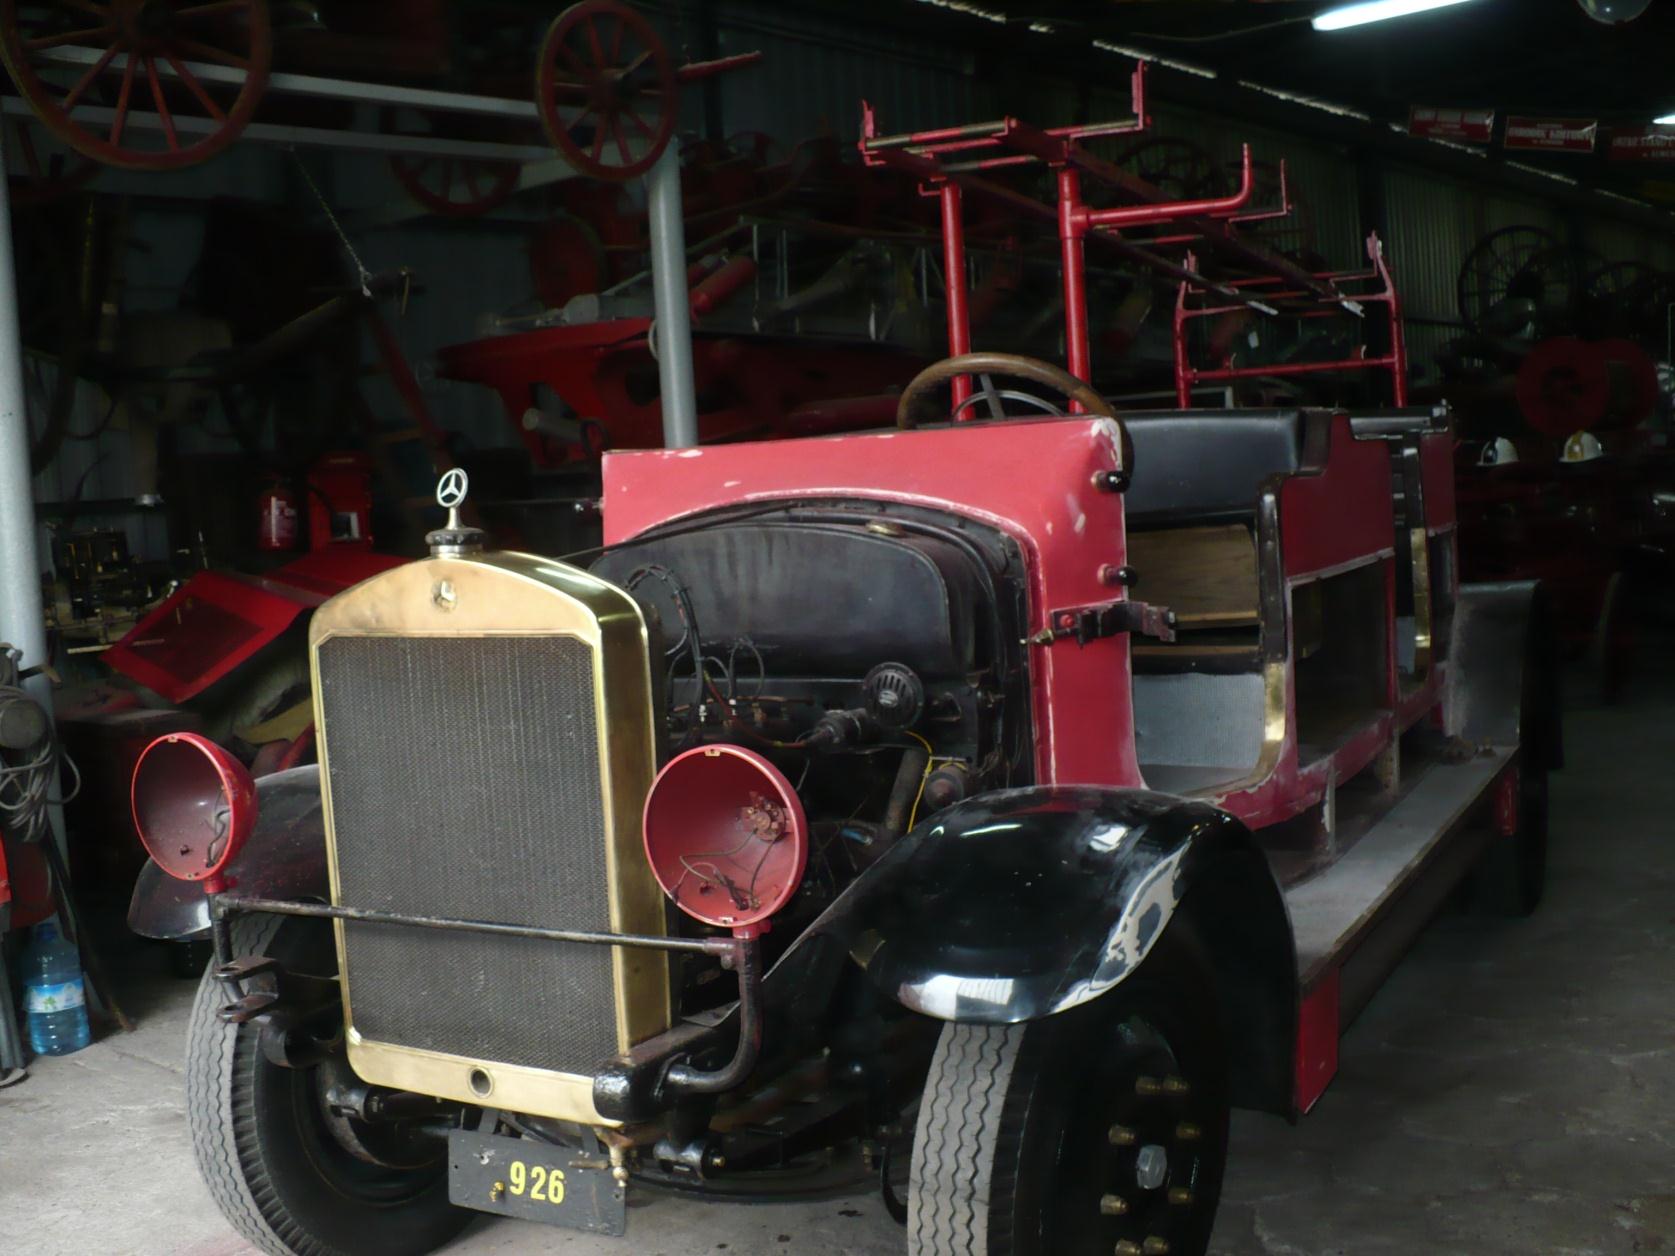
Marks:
<point>927,776</point>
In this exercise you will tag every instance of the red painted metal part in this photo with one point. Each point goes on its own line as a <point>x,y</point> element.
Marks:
<point>1347,287</point>
<point>1317,1041</point>
<point>1342,515</point>
<point>1067,529</point>
<point>954,281</point>
<point>1506,803</point>
<point>1567,385</point>
<point>752,387</point>
<point>193,806</point>
<point>1073,264</point>
<point>218,620</point>
<point>725,835</point>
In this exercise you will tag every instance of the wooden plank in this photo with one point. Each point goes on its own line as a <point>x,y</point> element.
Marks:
<point>1206,575</point>
<point>1331,912</point>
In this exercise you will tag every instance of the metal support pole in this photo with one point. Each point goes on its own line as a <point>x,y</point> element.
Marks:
<point>953,281</point>
<point>1074,249</point>
<point>674,315</point>
<point>22,622</point>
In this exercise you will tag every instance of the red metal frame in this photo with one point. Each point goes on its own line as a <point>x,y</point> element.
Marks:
<point>1350,293</point>
<point>1009,142</point>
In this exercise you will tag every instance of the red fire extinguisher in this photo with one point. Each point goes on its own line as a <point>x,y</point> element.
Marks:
<point>277,529</point>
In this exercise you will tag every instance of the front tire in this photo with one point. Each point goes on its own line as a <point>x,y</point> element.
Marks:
<point>261,1137</point>
<point>1102,1129</point>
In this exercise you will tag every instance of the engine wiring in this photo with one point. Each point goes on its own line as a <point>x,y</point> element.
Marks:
<point>930,759</point>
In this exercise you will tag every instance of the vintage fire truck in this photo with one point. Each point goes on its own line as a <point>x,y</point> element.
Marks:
<point>987,804</point>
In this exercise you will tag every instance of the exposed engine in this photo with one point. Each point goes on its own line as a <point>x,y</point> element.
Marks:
<point>870,652</point>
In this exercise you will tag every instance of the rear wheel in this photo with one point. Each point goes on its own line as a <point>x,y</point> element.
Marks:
<point>264,1138</point>
<point>1098,1130</point>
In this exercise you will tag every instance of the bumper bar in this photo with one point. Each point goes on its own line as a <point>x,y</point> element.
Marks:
<point>678,1076</point>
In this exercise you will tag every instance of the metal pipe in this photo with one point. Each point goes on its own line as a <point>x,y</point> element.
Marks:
<point>1077,352</point>
<point>22,618</point>
<point>910,776</point>
<point>669,291</point>
<point>1140,215</point>
<point>683,1079</point>
<point>953,279</point>
<point>232,903</point>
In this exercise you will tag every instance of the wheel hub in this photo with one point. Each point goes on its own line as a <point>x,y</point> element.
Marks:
<point>1151,1167</point>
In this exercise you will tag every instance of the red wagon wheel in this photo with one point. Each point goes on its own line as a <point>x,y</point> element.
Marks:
<point>458,187</point>
<point>87,66</point>
<point>606,90</point>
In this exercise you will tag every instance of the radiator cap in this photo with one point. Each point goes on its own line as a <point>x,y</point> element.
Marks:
<point>454,537</point>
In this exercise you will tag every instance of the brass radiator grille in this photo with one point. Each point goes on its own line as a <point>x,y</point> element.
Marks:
<point>465,781</point>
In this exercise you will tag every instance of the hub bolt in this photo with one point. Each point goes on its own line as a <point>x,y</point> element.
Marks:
<point>1155,1246</point>
<point>1180,1196</point>
<point>1113,1205</point>
<point>1147,1086</point>
<point>1176,1086</point>
<point>1187,1133</point>
<point>1121,1136</point>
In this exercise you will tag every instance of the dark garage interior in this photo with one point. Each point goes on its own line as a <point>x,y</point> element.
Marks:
<point>971,629</point>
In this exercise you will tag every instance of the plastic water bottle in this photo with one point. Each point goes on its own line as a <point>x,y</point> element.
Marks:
<point>53,995</point>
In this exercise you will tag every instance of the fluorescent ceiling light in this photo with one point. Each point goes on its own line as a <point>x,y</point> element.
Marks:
<point>1347,15</point>
<point>1668,119</point>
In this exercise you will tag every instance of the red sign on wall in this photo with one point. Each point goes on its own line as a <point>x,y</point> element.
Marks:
<point>1647,143</point>
<point>1464,126</point>
<point>1553,135</point>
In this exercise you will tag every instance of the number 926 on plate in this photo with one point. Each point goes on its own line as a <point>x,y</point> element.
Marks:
<point>534,1181</point>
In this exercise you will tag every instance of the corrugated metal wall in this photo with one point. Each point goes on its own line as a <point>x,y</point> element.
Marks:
<point>815,73</point>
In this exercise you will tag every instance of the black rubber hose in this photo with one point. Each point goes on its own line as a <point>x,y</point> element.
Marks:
<point>914,761</point>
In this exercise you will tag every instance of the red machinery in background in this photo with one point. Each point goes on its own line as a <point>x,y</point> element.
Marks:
<point>218,620</point>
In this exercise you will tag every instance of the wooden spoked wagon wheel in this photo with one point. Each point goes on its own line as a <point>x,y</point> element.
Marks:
<point>457,187</point>
<point>1501,284</point>
<point>606,90</point>
<point>88,67</point>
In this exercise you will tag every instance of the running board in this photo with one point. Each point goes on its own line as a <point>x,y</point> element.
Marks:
<point>1397,875</point>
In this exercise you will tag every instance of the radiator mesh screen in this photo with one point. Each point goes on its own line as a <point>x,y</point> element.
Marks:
<point>465,781</point>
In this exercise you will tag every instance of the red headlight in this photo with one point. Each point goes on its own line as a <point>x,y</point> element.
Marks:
<point>726,836</point>
<point>194,806</point>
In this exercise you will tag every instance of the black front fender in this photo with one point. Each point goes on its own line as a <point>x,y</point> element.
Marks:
<point>1018,904</point>
<point>285,857</point>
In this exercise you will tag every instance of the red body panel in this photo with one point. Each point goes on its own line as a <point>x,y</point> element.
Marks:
<point>218,620</point>
<point>1032,480</point>
<point>1340,516</point>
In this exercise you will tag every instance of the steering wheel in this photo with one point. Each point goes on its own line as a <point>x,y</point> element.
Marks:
<point>983,365</point>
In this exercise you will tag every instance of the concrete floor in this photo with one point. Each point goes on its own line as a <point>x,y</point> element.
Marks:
<point>1508,1092</point>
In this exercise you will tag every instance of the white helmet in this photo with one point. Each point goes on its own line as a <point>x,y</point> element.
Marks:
<point>1582,447</point>
<point>1498,453</point>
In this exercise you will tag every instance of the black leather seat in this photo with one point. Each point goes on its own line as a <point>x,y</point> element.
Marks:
<point>1207,465</point>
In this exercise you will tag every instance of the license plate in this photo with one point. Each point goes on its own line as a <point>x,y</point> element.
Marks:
<point>534,1181</point>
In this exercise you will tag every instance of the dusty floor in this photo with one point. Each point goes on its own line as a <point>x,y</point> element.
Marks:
<point>1507,1094</point>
